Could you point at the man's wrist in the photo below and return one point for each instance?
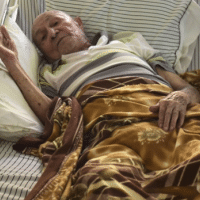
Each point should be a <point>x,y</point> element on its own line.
<point>191,95</point>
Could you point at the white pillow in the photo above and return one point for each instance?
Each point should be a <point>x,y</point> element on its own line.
<point>164,24</point>
<point>16,117</point>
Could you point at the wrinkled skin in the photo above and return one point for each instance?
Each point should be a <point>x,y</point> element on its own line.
<point>56,33</point>
<point>8,50</point>
<point>38,102</point>
<point>171,110</point>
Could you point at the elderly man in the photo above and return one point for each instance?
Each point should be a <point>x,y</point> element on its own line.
<point>57,34</point>
<point>126,145</point>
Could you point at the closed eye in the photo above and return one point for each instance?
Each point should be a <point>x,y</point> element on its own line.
<point>55,23</point>
<point>43,37</point>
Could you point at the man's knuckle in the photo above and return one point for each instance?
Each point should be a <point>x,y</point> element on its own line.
<point>168,112</point>
<point>176,112</point>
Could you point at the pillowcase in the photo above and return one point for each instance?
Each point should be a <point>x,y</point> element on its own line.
<point>28,10</point>
<point>164,24</point>
<point>16,117</point>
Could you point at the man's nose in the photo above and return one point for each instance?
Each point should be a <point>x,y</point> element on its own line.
<point>53,33</point>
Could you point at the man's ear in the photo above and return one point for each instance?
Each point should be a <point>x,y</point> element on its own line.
<point>79,21</point>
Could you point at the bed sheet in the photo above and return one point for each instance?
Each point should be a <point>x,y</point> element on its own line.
<point>18,172</point>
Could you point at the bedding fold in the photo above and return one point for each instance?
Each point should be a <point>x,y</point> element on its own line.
<point>105,144</point>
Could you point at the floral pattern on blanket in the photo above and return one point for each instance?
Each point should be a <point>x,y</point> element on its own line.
<point>124,154</point>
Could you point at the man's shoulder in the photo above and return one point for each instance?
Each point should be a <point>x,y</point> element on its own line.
<point>126,36</point>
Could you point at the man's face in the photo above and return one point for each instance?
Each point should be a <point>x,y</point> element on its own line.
<point>57,34</point>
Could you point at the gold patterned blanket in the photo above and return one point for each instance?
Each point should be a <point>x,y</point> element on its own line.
<point>120,152</point>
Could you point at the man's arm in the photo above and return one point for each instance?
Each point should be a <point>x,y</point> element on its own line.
<point>171,109</point>
<point>38,102</point>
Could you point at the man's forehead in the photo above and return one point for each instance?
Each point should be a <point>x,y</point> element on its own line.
<point>46,17</point>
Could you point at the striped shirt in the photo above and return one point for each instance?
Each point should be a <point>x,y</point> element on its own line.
<point>128,54</point>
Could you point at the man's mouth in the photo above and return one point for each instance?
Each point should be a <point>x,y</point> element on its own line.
<point>59,41</point>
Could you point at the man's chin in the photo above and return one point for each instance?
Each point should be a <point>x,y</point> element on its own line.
<point>66,48</point>
<point>71,50</point>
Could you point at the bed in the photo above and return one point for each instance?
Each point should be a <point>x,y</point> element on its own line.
<point>172,27</point>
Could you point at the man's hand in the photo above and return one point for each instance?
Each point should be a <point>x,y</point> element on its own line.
<point>171,110</point>
<point>38,102</point>
<point>8,50</point>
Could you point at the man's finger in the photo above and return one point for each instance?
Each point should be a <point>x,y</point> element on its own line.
<point>167,116</point>
<point>181,118</point>
<point>154,108</point>
<point>161,114</point>
<point>5,32</point>
<point>174,119</point>
<point>1,37</point>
